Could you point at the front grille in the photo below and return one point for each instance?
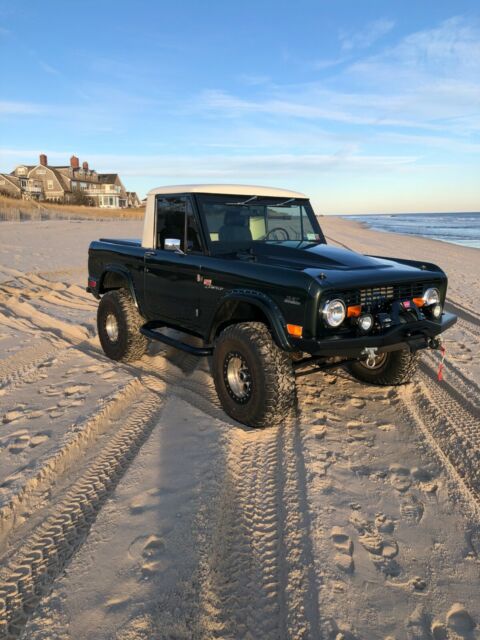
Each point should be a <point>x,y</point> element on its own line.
<point>376,296</point>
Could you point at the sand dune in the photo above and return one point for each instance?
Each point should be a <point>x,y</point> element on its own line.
<point>131,507</point>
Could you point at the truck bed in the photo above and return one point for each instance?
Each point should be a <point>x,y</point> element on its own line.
<point>130,242</point>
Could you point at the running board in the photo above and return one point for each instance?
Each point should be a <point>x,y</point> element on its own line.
<point>148,330</point>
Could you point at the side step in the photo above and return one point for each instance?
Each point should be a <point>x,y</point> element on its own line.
<point>148,330</point>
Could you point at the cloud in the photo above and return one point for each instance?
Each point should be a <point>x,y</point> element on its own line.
<point>48,68</point>
<point>364,38</point>
<point>19,108</point>
<point>220,166</point>
<point>429,80</point>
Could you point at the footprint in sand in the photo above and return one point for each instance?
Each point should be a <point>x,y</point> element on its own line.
<point>400,478</point>
<point>15,415</point>
<point>39,438</point>
<point>357,403</point>
<point>48,363</point>
<point>412,510</point>
<point>460,621</point>
<point>108,375</point>
<point>418,625</point>
<point>344,546</point>
<point>144,501</point>
<point>381,548</point>
<point>149,550</point>
<point>52,390</point>
<point>117,603</point>
<point>76,389</point>
<point>20,440</point>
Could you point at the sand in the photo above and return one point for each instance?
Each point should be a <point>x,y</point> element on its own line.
<point>131,507</point>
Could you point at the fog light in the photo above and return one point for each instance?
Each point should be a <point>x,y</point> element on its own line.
<point>437,311</point>
<point>365,322</point>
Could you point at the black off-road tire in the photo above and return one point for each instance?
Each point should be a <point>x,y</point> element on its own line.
<point>130,344</point>
<point>272,392</point>
<point>398,368</point>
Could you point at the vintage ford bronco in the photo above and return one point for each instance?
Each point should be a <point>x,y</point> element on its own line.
<point>248,271</point>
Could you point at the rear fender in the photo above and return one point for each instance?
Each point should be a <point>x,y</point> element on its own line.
<point>114,277</point>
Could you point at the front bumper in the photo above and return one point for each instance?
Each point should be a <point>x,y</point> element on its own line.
<point>412,336</point>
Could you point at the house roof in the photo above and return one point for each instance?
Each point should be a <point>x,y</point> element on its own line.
<point>108,178</point>
<point>228,189</point>
<point>13,179</point>
<point>27,166</point>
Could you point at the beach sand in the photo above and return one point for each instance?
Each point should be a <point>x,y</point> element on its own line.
<point>132,507</point>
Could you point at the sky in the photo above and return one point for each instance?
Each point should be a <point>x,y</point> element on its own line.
<point>367,107</point>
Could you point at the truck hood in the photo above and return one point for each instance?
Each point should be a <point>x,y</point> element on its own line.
<point>329,264</point>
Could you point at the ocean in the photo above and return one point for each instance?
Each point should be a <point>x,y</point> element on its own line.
<point>457,228</point>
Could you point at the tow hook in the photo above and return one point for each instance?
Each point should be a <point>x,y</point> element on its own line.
<point>371,353</point>
<point>436,343</point>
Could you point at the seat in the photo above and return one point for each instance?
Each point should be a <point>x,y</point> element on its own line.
<point>234,228</point>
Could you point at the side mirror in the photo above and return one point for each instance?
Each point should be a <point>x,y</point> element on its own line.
<point>172,244</point>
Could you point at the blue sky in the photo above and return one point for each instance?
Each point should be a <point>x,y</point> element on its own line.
<point>366,106</point>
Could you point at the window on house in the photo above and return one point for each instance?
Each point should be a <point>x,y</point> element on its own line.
<point>49,184</point>
<point>21,171</point>
<point>41,172</point>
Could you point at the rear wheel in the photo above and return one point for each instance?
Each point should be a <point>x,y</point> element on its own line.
<point>392,368</point>
<point>254,379</point>
<point>119,322</point>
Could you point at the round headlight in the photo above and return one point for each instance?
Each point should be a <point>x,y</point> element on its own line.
<point>333,313</point>
<point>431,296</point>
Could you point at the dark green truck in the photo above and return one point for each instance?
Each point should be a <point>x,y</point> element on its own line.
<point>248,271</point>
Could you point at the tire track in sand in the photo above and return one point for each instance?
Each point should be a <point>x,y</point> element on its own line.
<point>258,568</point>
<point>452,427</point>
<point>31,570</point>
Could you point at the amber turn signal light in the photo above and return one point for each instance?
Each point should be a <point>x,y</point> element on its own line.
<point>354,311</point>
<point>419,302</point>
<point>295,330</point>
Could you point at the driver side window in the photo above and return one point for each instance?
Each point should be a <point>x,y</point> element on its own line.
<point>175,219</point>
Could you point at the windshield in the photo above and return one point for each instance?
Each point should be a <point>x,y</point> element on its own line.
<point>233,223</point>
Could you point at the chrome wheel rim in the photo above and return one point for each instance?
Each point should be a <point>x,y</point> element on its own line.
<point>237,377</point>
<point>111,327</point>
<point>374,363</point>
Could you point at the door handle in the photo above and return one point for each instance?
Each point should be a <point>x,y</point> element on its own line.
<point>149,253</point>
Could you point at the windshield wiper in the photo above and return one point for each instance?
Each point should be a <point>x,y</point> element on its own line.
<point>241,204</point>
<point>282,204</point>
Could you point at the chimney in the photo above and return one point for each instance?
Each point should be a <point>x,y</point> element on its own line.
<point>74,162</point>
<point>43,159</point>
<point>85,166</point>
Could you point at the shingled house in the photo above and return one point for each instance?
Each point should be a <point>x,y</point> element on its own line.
<point>69,183</point>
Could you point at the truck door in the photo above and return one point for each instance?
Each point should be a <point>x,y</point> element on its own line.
<point>171,287</point>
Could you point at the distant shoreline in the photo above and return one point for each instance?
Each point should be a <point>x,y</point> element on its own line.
<point>461,229</point>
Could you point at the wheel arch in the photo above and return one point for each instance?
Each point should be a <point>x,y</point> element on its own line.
<point>245,306</point>
<point>114,277</point>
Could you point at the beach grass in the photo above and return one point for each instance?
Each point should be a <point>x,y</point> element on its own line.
<point>12,209</point>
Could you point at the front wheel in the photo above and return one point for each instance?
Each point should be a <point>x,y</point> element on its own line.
<point>254,378</point>
<point>392,368</point>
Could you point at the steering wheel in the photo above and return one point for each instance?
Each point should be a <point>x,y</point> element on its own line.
<point>284,231</point>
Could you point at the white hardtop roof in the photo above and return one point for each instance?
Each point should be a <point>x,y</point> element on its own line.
<point>228,189</point>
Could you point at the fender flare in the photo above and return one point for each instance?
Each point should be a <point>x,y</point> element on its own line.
<point>123,273</point>
<point>262,302</point>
